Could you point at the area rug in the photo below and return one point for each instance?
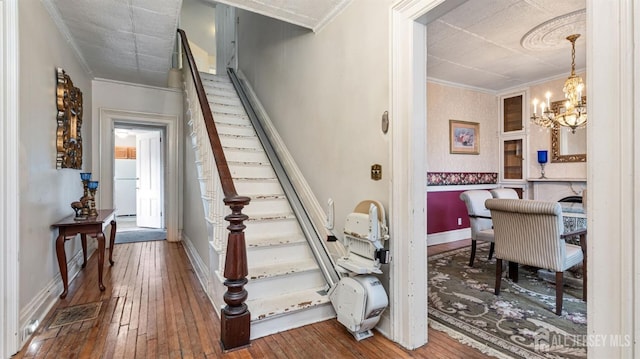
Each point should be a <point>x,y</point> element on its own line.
<point>76,313</point>
<point>519,323</point>
<point>141,236</point>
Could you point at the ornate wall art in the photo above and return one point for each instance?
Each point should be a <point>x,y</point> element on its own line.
<point>68,134</point>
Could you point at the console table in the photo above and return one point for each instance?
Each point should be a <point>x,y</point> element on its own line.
<point>69,227</point>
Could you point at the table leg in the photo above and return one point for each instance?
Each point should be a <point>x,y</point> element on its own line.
<point>100,238</point>
<point>62,264</point>
<point>112,239</point>
<point>83,239</point>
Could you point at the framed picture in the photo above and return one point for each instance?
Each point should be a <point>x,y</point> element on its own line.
<point>464,137</point>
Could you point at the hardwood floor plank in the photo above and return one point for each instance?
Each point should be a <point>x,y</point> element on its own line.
<point>154,307</point>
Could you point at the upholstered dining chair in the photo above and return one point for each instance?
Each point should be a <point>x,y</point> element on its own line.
<point>479,218</point>
<point>531,233</point>
<point>504,193</point>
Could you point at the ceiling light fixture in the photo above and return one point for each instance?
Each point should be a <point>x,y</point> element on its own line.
<point>571,112</point>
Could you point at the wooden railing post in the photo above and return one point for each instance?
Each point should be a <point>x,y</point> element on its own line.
<point>235,317</point>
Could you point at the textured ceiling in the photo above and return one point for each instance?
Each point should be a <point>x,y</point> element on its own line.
<point>478,44</point>
<point>124,40</point>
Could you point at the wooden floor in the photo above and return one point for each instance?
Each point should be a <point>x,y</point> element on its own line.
<point>154,307</point>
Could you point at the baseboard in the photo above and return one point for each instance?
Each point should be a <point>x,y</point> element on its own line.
<point>41,304</point>
<point>449,236</point>
<point>384,325</point>
<point>201,270</point>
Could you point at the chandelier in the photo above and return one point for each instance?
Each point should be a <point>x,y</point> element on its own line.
<point>571,112</point>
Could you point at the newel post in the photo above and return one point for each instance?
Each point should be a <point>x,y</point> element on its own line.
<point>235,323</point>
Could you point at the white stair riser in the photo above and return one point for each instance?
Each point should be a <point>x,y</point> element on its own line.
<point>293,320</point>
<point>275,286</point>
<point>245,156</point>
<point>258,206</point>
<point>250,170</point>
<point>230,101</point>
<point>231,119</point>
<point>215,81</point>
<point>236,110</point>
<point>262,256</point>
<point>248,142</point>
<point>234,130</point>
<point>262,229</point>
<point>254,187</point>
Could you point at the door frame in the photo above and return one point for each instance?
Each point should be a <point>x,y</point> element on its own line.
<point>9,179</point>
<point>612,173</point>
<point>173,161</point>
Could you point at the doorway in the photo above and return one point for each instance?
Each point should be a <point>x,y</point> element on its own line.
<point>166,147</point>
<point>138,189</point>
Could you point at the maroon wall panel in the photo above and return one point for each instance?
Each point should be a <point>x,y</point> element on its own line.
<point>443,211</point>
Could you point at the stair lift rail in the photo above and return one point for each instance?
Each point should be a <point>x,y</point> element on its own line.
<point>314,239</point>
<point>235,318</point>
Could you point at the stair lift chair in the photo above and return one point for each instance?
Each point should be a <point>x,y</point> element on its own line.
<point>359,297</point>
<point>479,218</point>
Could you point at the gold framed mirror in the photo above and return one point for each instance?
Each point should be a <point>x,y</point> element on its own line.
<point>69,119</point>
<point>567,146</point>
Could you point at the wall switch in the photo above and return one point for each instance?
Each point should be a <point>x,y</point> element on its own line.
<point>459,221</point>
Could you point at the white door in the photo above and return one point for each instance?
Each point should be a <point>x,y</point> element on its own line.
<point>149,202</point>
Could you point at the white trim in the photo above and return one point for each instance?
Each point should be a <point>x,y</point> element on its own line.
<point>173,160</point>
<point>461,86</point>
<point>612,176</point>
<point>199,267</point>
<point>328,17</point>
<point>48,296</point>
<point>9,178</point>
<point>408,78</point>
<point>448,236</point>
<point>132,84</point>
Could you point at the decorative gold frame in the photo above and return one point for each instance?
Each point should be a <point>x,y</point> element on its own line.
<point>460,128</point>
<point>69,118</point>
<point>555,149</point>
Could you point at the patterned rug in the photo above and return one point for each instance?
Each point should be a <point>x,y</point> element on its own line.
<point>76,313</point>
<point>519,323</point>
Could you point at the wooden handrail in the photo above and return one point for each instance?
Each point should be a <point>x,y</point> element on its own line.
<point>235,323</point>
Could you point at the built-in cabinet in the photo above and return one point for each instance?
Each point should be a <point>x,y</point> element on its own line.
<point>513,140</point>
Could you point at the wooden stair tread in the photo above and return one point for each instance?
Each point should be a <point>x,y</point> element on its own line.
<point>274,241</point>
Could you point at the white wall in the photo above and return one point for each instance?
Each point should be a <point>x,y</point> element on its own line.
<point>194,225</point>
<point>325,93</point>
<point>197,19</point>
<point>45,192</point>
<point>129,97</point>
<point>446,103</point>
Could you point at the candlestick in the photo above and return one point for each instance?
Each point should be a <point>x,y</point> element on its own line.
<point>542,160</point>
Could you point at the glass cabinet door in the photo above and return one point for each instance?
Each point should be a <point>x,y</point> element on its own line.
<point>513,159</point>
<point>512,113</point>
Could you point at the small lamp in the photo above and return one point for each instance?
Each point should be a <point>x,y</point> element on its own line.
<point>542,160</point>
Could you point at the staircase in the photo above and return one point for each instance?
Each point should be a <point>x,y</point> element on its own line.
<point>286,287</point>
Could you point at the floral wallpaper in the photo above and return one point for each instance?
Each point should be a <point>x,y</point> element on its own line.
<point>461,178</point>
